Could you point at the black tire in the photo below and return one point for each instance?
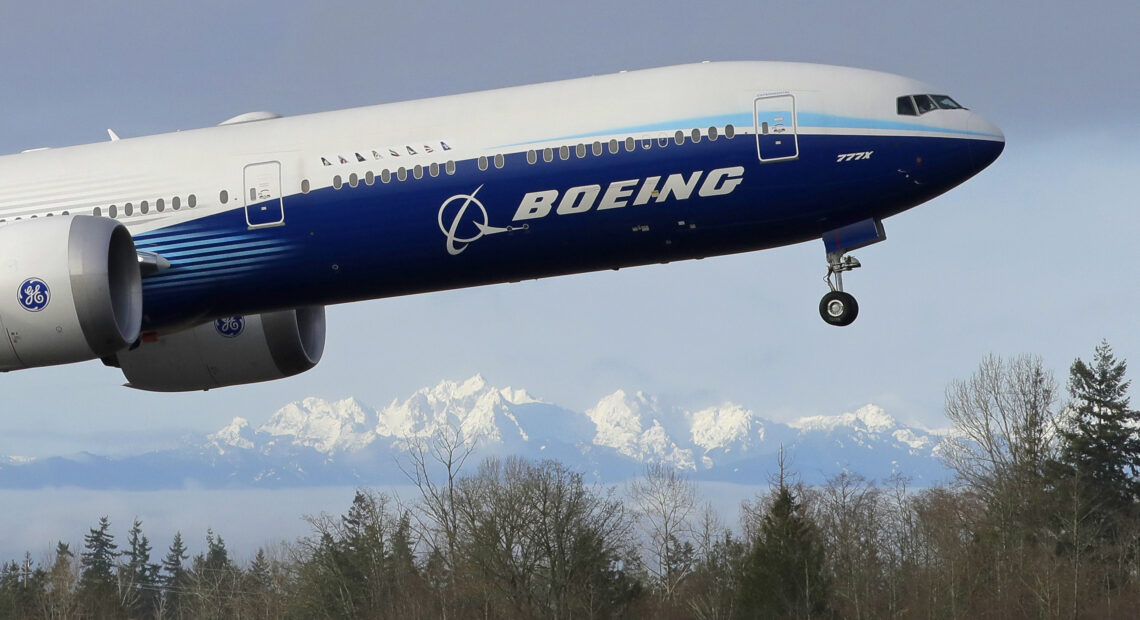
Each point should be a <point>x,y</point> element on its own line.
<point>838,308</point>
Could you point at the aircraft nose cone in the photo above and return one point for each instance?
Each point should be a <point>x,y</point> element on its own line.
<point>988,141</point>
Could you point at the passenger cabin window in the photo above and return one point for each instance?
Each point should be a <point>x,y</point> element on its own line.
<point>906,106</point>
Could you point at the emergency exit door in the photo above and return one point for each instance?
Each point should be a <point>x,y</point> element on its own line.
<point>776,129</point>
<point>263,204</point>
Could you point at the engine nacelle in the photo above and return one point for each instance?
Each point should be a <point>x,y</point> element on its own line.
<point>228,351</point>
<point>70,290</point>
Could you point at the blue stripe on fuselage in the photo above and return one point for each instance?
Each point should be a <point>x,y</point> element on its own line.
<point>744,121</point>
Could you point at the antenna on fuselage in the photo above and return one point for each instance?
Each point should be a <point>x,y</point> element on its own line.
<point>114,136</point>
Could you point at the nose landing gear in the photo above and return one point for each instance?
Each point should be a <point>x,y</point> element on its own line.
<point>838,307</point>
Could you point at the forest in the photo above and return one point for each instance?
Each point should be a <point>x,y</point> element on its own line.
<point>1041,520</point>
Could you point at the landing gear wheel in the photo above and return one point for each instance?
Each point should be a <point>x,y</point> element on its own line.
<point>838,308</point>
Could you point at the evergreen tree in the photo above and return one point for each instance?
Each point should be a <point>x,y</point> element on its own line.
<point>401,557</point>
<point>215,580</point>
<point>783,574</point>
<point>174,579</point>
<point>217,557</point>
<point>258,592</point>
<point>139,574</point>
<point>1101,448</point>
<point>20,586</point>
<point>259,575</point>
<point>97,585</point>
<point>98,561</point>
<point>172,564</point>
<point>59,599</point>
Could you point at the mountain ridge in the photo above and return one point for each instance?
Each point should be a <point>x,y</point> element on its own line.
<point>316,442</point>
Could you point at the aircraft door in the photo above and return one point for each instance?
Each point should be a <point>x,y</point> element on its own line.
<point>263,203</point>
<point>776,129</point>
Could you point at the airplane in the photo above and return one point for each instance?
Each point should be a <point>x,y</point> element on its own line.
<point>205,258</point>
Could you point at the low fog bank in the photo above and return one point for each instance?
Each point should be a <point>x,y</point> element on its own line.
<point>33,521</point>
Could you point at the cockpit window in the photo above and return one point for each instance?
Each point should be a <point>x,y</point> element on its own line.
<point>913,105</point>
<point>946,103</point>
<point>924,103</point>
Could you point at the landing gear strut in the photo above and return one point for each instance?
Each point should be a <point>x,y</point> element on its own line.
<point>838,307</point>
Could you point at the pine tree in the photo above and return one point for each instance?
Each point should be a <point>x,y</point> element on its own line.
<point>215,580</point>
<point>783,574</point>
<point>20,585</point>
<point>173,578</point>
<point>401,557</point>
<point>172,564</point>
<point>97,585</point>
<point>98,561</point>
<point>140,574</point>
<point>1101,448</point>
<point>258,576</point>
<point>59,602</point>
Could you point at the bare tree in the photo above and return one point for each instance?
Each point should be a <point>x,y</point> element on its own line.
<point>1005,422</point>
<point>710,592</point>
<point>665,502</point>
<point>849,512</point>
<point>540,543</point>
<point>444,454</point>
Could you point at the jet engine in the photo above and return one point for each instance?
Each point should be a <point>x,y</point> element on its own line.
<point>70,290</point>
<point>227,351</point>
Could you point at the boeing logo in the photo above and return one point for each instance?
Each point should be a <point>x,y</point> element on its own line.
<point>467,221</point>
<point>636,192</point>
<point>464,218</point>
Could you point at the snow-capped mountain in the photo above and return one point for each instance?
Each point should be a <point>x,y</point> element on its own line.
<point>317,442</point>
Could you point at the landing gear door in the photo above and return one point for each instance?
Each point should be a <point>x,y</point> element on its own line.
<point>263,204</point>
<point>776,129</point>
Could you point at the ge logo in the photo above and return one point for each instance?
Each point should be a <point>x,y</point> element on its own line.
<point>230,326</point>
<point>468,223</point>
<point>34,295</point>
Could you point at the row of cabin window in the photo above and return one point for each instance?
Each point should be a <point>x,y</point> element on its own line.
<point>614,146</point>
<point>144,206</point>
<point>386,175</point>
<point>32,217</point>
<point>128,208</point>
<point>531,157</point>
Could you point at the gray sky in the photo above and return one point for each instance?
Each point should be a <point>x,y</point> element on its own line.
<point>1029,257</point>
